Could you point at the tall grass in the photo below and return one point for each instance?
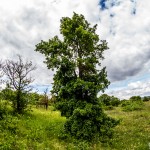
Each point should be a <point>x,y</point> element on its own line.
<point>134,129</point>
<point>38,130</point>
<point>42,130</point>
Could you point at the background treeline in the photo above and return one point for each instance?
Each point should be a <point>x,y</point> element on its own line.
<point>133,103</point>
<point>32,99</point>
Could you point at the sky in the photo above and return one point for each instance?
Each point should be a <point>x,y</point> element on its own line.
<point>124,24</point>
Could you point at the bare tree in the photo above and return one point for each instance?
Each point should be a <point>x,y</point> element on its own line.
<point>19,80</point>
<point>1,73</point>
<point>43,101</point>
<point>46,98</point>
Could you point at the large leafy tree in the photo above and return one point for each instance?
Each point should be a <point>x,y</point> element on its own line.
<point>78,77</point>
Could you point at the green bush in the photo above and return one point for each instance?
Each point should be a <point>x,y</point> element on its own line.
<point>132,105</point>
<point>8,94</point>
<point>125,103</point>
<point>135,98</point>
<point>146,98</point>
<point>3,109</point>
<point>115,101</point>
<point>10,134</point>
<point>105,99</point>
<point>90,123</point>
<point>110,101</point>
<point>9,124</point>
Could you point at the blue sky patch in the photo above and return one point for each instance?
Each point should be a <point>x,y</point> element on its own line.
<point>102,3</point>
<point>105,4</point>
<point>133,11</point>
<point>133,3</point>
<point>112,15</point>
<point>114,3</point>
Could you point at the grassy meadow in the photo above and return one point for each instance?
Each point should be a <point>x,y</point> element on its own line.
<point>42,130</point>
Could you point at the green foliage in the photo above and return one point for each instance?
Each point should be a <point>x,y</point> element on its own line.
<point>11,96</point>
<point>115,101</point>
<point>41,129</point>
<point>125,102</point>
<point>135,98</point>
<point>3,109</point>
<point>79,77</point>
<point>22,102</point>
<point>133,132</point>
<point>105,99</point>
<point>146,98</point>
<point>33,97</point>
<point>90,123</point>
<point>109,101</point>
<point>31,130</point>
<point>8,94</point>
<point>10,124</point>
<point>135,103</point>
<point>80,145</point>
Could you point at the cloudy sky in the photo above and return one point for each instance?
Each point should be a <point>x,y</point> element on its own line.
<point>125,24</point>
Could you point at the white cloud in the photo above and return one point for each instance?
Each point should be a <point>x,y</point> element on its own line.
<point>125,25</point>
<point>141,88</point>
<point>128,36</point>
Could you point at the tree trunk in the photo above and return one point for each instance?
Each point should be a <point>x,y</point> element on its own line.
<point>19,107</point>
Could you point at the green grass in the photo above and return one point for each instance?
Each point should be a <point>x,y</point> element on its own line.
<point>42,130</point>
<point>38,130</point>
<point>133,133</point>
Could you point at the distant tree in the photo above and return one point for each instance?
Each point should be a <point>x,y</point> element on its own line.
<point>125,102</point>
<point>17,73</point>
<point>133,104</point>
<point>115,101</point>
<point>46,98</point>
<point>109,100</point>
<point>105,99</point>
<point>78,78</point>
<point>34,97</point>
<point>52,99</point>
<point>146,98</point>
<point>1,72</point>
<point>43,100</point>
<point>135,98</point>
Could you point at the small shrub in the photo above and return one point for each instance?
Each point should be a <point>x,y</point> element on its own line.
<point>3,109</point>
<point>135,98</point>
<point>146,98</point>
<point>110,101</point>
<point>115,101</point>
<point>133,105</point>
<point>105,100</point>
<point>10,123</point>
<point>125,103</point>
